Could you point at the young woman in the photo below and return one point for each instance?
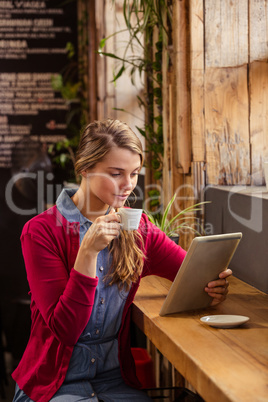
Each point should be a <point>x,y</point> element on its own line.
<point>83,273</point>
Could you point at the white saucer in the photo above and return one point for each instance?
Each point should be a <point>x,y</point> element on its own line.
<point>224,321</point>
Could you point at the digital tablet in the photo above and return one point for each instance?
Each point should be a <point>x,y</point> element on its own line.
<point>206,258</point>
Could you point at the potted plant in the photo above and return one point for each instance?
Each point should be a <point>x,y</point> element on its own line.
<point>179,222</point>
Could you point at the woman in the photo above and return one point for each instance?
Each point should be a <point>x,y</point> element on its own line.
<point>83,273</point>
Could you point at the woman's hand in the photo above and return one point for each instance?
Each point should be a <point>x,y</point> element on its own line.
<point>218,289</point>
<point>102,231</point>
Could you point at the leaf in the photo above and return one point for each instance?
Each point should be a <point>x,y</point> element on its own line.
<point>157,92</point>
<point>155,164</point>
<point>159,120</point>
<point>166,212</point>
<point>57,82</point>
<point>119,109</point>
<point>120,72</point>
<point>159,78</point>
<point>142,132</point>
<point>63,159</point>
<point>159,45</point>
<point>102,43</point>
<point>50,148</point>
<point>157,175</point>
<point>156,66</point>
<point>192,208</point>
<point>113,56</point>
<point>154,203</point>
<point>70,49</point>
<point>141,101</point>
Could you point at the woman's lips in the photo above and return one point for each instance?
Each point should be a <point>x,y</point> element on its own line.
<point>122,196</point>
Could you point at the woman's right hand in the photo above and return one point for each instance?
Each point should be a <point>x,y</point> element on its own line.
<point>102,231</point>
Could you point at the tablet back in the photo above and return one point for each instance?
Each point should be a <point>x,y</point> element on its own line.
<point>206,258</point>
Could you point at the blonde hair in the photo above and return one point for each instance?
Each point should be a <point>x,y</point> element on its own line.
<point>97,139</point>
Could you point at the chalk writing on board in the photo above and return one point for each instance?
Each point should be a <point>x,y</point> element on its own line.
<point>33,39</point>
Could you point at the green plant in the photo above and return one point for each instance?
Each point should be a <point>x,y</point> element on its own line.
<point>179,222</point>
<point>146,43</point>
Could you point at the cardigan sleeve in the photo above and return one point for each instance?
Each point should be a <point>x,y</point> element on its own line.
<point>163,256</point>
<point>65,300</point>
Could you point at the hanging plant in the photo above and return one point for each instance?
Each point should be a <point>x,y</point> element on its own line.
<point>141,18</point>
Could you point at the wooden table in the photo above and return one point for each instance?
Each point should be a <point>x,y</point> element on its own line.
<point>221,364</point>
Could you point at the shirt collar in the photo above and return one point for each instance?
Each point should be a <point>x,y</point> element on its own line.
<point>68,209</point>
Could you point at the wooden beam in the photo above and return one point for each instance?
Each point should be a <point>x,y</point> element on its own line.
<point>100,60</point>
<point>258,86</point>
<point>197,79</point>
<point>92,70</point>
<point>181,71</point>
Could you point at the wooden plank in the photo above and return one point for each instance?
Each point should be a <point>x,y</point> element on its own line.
<point>197,79</point>
<point>242,350</point>
<point>258,74</point>
<point>258,14</point>
<point>110,47</point>
<point>167,120</point>
<point>227,126</point>
<point>101,83</point>
<point>92,64</point>
<point>226,92</point>
<point>258,84</point>
<point>197,75</point>
<point>186,198</point>
<point>181,71</point>
<point>226,33</point>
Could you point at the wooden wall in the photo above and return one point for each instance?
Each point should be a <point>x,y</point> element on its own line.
<point>219,101</point>
<point>221,79</point>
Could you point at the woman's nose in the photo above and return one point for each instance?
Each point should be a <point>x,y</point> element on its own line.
<point>127,183</point>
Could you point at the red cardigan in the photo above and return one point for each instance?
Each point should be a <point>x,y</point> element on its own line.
<point>62,299</point>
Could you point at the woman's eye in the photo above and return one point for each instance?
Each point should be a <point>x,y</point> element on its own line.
<point>115,174</point>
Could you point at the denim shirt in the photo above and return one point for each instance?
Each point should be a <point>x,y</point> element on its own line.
<point>96,351</point>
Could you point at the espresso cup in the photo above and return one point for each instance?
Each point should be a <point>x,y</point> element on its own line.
<point>130,218</point>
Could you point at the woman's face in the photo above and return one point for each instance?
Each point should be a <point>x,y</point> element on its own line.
<point>112,180</point>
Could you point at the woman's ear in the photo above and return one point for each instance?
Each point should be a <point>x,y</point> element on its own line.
<point>84,174</point>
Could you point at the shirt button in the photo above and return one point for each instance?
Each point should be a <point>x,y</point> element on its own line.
<point>92,360</point>
<point>93,394</point>
<point>102,300</point>
<point>101,269</point>
<point>97,331</point>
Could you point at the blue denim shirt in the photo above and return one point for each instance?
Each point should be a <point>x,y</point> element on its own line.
<point>96,351</point>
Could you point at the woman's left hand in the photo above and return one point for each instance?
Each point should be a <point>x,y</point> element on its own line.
<point>218,289</point>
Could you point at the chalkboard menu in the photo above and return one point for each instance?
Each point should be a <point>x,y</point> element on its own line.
<point>33,39</point>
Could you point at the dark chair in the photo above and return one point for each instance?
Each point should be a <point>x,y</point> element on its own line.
<point>166,394</point>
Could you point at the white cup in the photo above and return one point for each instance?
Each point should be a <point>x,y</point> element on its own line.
<point>265,165</point>
<point>130,218</point>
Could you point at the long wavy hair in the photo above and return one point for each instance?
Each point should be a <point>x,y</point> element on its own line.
<point>97,139</point>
